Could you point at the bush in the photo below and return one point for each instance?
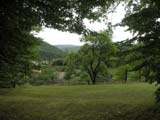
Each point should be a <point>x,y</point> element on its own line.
<point>45,77</point>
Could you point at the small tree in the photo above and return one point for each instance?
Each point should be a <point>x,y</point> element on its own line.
<point>71,62</point>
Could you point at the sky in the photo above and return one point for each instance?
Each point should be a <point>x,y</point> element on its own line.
<point>56,37</point>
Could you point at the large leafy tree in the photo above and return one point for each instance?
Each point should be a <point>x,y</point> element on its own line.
<point>143,19</point>
<point>96,53</point>
<point>18,18</point>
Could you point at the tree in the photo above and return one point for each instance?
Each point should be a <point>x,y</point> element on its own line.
<point>72,64</point>
<point>123,61</point>
<point>96,53</point>
<point>143,19</point>
<point>18,18</point>
<point>16,59</point>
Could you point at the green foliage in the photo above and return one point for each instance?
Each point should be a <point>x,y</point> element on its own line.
<point>143,20</point>
<point>132,76</point>
<point>147,36</point>
<point>104,75</point>
<point>120,73</point>
<point>92,60</point>
<point>58,62</point>
<point>45,77</point>
<point>96,53</point>
<point>72,63</point>
<point>84,78</point>
<point>19,18</point>
<point>16,58</point>
<point>136,76</point>
<point>158,95</point>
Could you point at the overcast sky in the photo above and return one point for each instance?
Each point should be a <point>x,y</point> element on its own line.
<point>56,37</point>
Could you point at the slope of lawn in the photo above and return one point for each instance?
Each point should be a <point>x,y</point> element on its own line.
<point>99,102</point>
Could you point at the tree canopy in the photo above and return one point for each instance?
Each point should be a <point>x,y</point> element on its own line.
<point>143,19</point>
<point>94,56</point>
<point>96,52</point>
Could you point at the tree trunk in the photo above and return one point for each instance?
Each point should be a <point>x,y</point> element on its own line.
<point>91,77</point>
<point>93,71</point>
<point>13,84</point>
<point>126,76</point>
<point>140,77</point>
<point>94,80</point>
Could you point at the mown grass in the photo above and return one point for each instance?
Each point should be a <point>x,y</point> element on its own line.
<point>99,102</point>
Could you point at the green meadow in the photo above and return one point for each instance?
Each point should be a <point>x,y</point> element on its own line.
<point>94,102</point>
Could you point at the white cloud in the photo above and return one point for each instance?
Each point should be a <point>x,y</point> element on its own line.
<point>95,26</point>
<point>55,37</point>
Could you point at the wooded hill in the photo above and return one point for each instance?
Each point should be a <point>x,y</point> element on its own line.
<point>49,52</point>
<point>69,48</point>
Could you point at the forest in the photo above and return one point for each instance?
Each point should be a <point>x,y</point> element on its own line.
<point>99,80</point>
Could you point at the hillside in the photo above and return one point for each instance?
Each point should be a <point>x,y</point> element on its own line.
<point>73,48</point>
<point>49,52</point>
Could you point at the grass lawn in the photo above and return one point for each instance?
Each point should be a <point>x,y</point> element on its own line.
<point>99,102</point>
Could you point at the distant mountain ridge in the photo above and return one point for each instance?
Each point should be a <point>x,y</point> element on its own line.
<point>69,47</point>
<point>49,52</point>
